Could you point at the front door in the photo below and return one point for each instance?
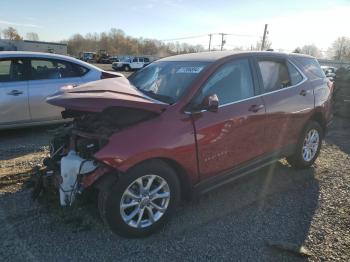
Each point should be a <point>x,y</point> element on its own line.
<point>13,92</point>
<point>235,133</point>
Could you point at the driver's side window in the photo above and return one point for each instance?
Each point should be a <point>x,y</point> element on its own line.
<point>231,82</point>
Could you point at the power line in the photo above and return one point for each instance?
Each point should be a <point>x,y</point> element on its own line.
<point>210,35</point>
<point>222,40</point>
<point>183,38</point>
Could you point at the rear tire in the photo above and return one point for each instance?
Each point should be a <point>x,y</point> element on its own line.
<point>147,209</point>
<point>308,147</point>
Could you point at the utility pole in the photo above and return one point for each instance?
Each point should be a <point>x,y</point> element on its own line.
<point>264,38</point>
<point>210,35</point>
<point>222,40</point>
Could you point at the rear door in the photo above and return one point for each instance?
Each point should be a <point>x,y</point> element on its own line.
<point>47,76</point>
<point>14,106</point>
<point>288,102</point>
<point>235,133</point>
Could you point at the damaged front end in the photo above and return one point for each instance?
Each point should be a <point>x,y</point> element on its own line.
<point>72,167</point>
<point>98,110</point>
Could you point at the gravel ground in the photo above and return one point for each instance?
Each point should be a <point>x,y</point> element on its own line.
<point>275,214</point>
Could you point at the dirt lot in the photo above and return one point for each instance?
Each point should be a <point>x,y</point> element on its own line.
<point>267,216</point>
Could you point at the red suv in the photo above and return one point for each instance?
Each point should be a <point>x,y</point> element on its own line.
<point>184,125</point>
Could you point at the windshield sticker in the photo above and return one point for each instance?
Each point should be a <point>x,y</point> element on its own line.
<point>189,70</point>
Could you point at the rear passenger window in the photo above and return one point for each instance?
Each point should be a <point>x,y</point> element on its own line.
<point>231,82</point>
<point>54,69</point>
<point>295,75</point>
<point>11,70</point>
<point>274,74</point>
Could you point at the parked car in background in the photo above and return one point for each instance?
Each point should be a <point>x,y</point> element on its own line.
<point>184,125</point>
<point>115,59</point>
<point>135,63</point>
<point>329,72</point>
<point>27,78</point>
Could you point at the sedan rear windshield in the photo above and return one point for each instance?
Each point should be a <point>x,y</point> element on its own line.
<point>167,81</point>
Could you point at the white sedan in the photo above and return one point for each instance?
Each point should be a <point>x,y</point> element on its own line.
<point>27,78</point>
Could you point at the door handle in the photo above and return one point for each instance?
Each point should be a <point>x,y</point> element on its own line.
<point>15,93</point>
<point>256,108</point>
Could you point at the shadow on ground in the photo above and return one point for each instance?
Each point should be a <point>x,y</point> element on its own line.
<point>18,142</point>
<point>339,133</point>
<point>236,222</point>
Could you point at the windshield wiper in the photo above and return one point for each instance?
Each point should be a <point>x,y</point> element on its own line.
<point>163,98</point>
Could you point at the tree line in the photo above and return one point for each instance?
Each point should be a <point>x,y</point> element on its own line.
<point>116,42</point>
<point>11,33</point>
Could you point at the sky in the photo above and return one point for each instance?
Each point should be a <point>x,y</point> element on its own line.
<point>291,23</point>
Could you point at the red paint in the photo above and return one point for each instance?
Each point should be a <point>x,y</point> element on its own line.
<point>203,144</point>
<point>99,95</point>
<point>89,179</point>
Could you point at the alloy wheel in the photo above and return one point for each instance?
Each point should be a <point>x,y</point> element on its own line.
<point>145,201</point>
<point>310,145</point>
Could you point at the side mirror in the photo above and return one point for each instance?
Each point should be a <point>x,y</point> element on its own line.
<point>210,103</point>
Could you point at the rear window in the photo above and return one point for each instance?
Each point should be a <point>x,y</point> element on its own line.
<point>55,69</point>
<point>311,67</point>
<point>274,75</point>
<point>294,74</point>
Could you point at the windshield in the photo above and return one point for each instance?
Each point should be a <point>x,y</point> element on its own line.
<point>167,81</point>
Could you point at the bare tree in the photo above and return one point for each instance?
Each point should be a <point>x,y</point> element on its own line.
<point>11,34</point>
<point>340,49</point>
<point>267,45</point>
<point>32,36</point>
<point>297,50</point>
<point>312,50</point>
<point>118,43</point>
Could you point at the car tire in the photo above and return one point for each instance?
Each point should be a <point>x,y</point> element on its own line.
<point>308,147</point>
<point>126,68</point>
<point>126,192</point>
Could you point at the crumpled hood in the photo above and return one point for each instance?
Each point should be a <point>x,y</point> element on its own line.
<point>99,95</point>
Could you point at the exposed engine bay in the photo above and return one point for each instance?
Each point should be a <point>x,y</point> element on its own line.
<point>71,167</point>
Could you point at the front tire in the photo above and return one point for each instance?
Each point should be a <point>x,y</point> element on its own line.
<point>141,201</point>
<point>308,147</point>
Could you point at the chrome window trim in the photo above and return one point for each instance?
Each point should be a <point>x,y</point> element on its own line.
<point>261,95</point>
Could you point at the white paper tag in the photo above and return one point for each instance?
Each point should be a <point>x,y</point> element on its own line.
<point>189,70</point>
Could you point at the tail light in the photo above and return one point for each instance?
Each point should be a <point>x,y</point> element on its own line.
<point>105,75</point>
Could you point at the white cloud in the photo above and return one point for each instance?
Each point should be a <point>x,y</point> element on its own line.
<point>310,27</point>
<point>9,23</point>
